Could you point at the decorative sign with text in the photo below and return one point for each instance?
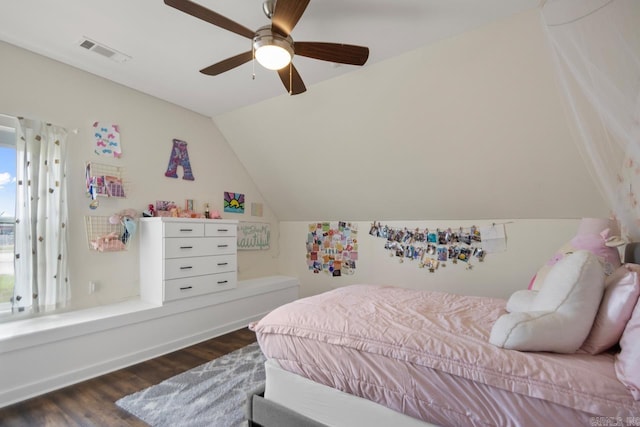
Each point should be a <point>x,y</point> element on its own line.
<point>253,236</point>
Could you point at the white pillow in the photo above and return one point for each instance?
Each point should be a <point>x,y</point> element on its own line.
<point>521,300</point>
<point>560,316</point>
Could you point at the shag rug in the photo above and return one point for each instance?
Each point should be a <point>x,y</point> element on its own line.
<point>212,394</point>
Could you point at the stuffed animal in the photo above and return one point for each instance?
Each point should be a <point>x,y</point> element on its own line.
<point>596,235</point>
<point>126,218</point>
<point>108,243</point>
<point>149,212</point>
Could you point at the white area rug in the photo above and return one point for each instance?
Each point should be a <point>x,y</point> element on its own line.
<point>212,394</point>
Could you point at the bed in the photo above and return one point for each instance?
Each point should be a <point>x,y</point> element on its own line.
<point>383,355</point>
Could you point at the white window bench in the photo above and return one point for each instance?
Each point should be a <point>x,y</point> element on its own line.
<point>41,354</point>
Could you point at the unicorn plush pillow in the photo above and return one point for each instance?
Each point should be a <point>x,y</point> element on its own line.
<point>560,315</point>
<point>598,236</point>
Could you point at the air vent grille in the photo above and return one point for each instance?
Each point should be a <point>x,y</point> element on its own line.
<point>103,50</point>
<point>87,44</point>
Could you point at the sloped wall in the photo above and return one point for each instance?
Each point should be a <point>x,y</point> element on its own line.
<point>471,127</point>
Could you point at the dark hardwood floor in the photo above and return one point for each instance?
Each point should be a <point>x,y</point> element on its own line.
<point>92,403</point>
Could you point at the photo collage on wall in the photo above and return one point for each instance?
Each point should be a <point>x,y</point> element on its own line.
<point>332,248</point>
<point>432,248</point>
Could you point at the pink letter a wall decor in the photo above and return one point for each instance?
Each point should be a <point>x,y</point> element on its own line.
<point>179,157</point>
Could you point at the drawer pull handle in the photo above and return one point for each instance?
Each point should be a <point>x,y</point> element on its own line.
<point>186,229</point>
<point>223,246</point>
<point>223,229</point>
<point>222,282</point>
<point>188,267</point>
<point>186,247</point>
<point>186,288</point>
<point>223,263</point>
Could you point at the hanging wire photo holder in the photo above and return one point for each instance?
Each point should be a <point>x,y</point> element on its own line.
<point>432,248</point>
<point>105,180</point>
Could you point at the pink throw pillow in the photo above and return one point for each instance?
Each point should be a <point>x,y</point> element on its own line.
<point>622,289</point>
<point>626,364</point>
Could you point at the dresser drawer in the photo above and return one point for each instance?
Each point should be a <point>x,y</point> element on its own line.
<point>213,229</point>
<point>183,229</point>
<point>199,285</point>
<point>175,268</point>
<point>180,247</point>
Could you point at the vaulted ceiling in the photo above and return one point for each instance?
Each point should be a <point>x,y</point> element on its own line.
<point>167,47</point>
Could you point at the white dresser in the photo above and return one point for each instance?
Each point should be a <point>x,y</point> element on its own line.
<point>183,257</point>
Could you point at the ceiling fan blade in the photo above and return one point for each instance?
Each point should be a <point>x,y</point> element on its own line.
<point>291,80</point>
<point>201,12</point>
<point>333,52</point>
<point>286,15</point>
<point>228,64</point>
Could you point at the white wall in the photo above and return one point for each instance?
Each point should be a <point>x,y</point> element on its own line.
<point>36,87</point>
<point>530,244</point>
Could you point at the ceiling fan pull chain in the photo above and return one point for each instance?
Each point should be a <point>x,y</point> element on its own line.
<point>253,61</point>
<point>290,79</point>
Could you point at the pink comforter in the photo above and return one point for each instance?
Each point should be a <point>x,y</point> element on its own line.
<point>438,331</point>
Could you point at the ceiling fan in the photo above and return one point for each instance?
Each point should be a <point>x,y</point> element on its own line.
<point>272,45</point>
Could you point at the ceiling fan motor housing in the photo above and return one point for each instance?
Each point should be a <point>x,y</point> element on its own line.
<point>266,37</point>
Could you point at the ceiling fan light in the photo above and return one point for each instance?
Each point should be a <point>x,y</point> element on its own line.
<point>272,50</point>
<point>273,57</point>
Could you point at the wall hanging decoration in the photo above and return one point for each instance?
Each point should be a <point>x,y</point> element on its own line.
<point>233,202</point>
<point>179,157</point>
<point>256,209</point>
<point>103,180</point>
<point>107,138</point>
<point>433,248</point>
<point>332,248</point>
<point>253,235</point>
<point>111,233</point>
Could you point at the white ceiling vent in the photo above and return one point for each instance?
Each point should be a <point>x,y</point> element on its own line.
<point>103,50</point>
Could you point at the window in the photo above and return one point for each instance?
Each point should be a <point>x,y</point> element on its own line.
<point>7,211</point>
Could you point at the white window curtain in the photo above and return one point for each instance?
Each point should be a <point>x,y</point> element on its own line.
<point>597,50</point>
<point>41,265</point>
